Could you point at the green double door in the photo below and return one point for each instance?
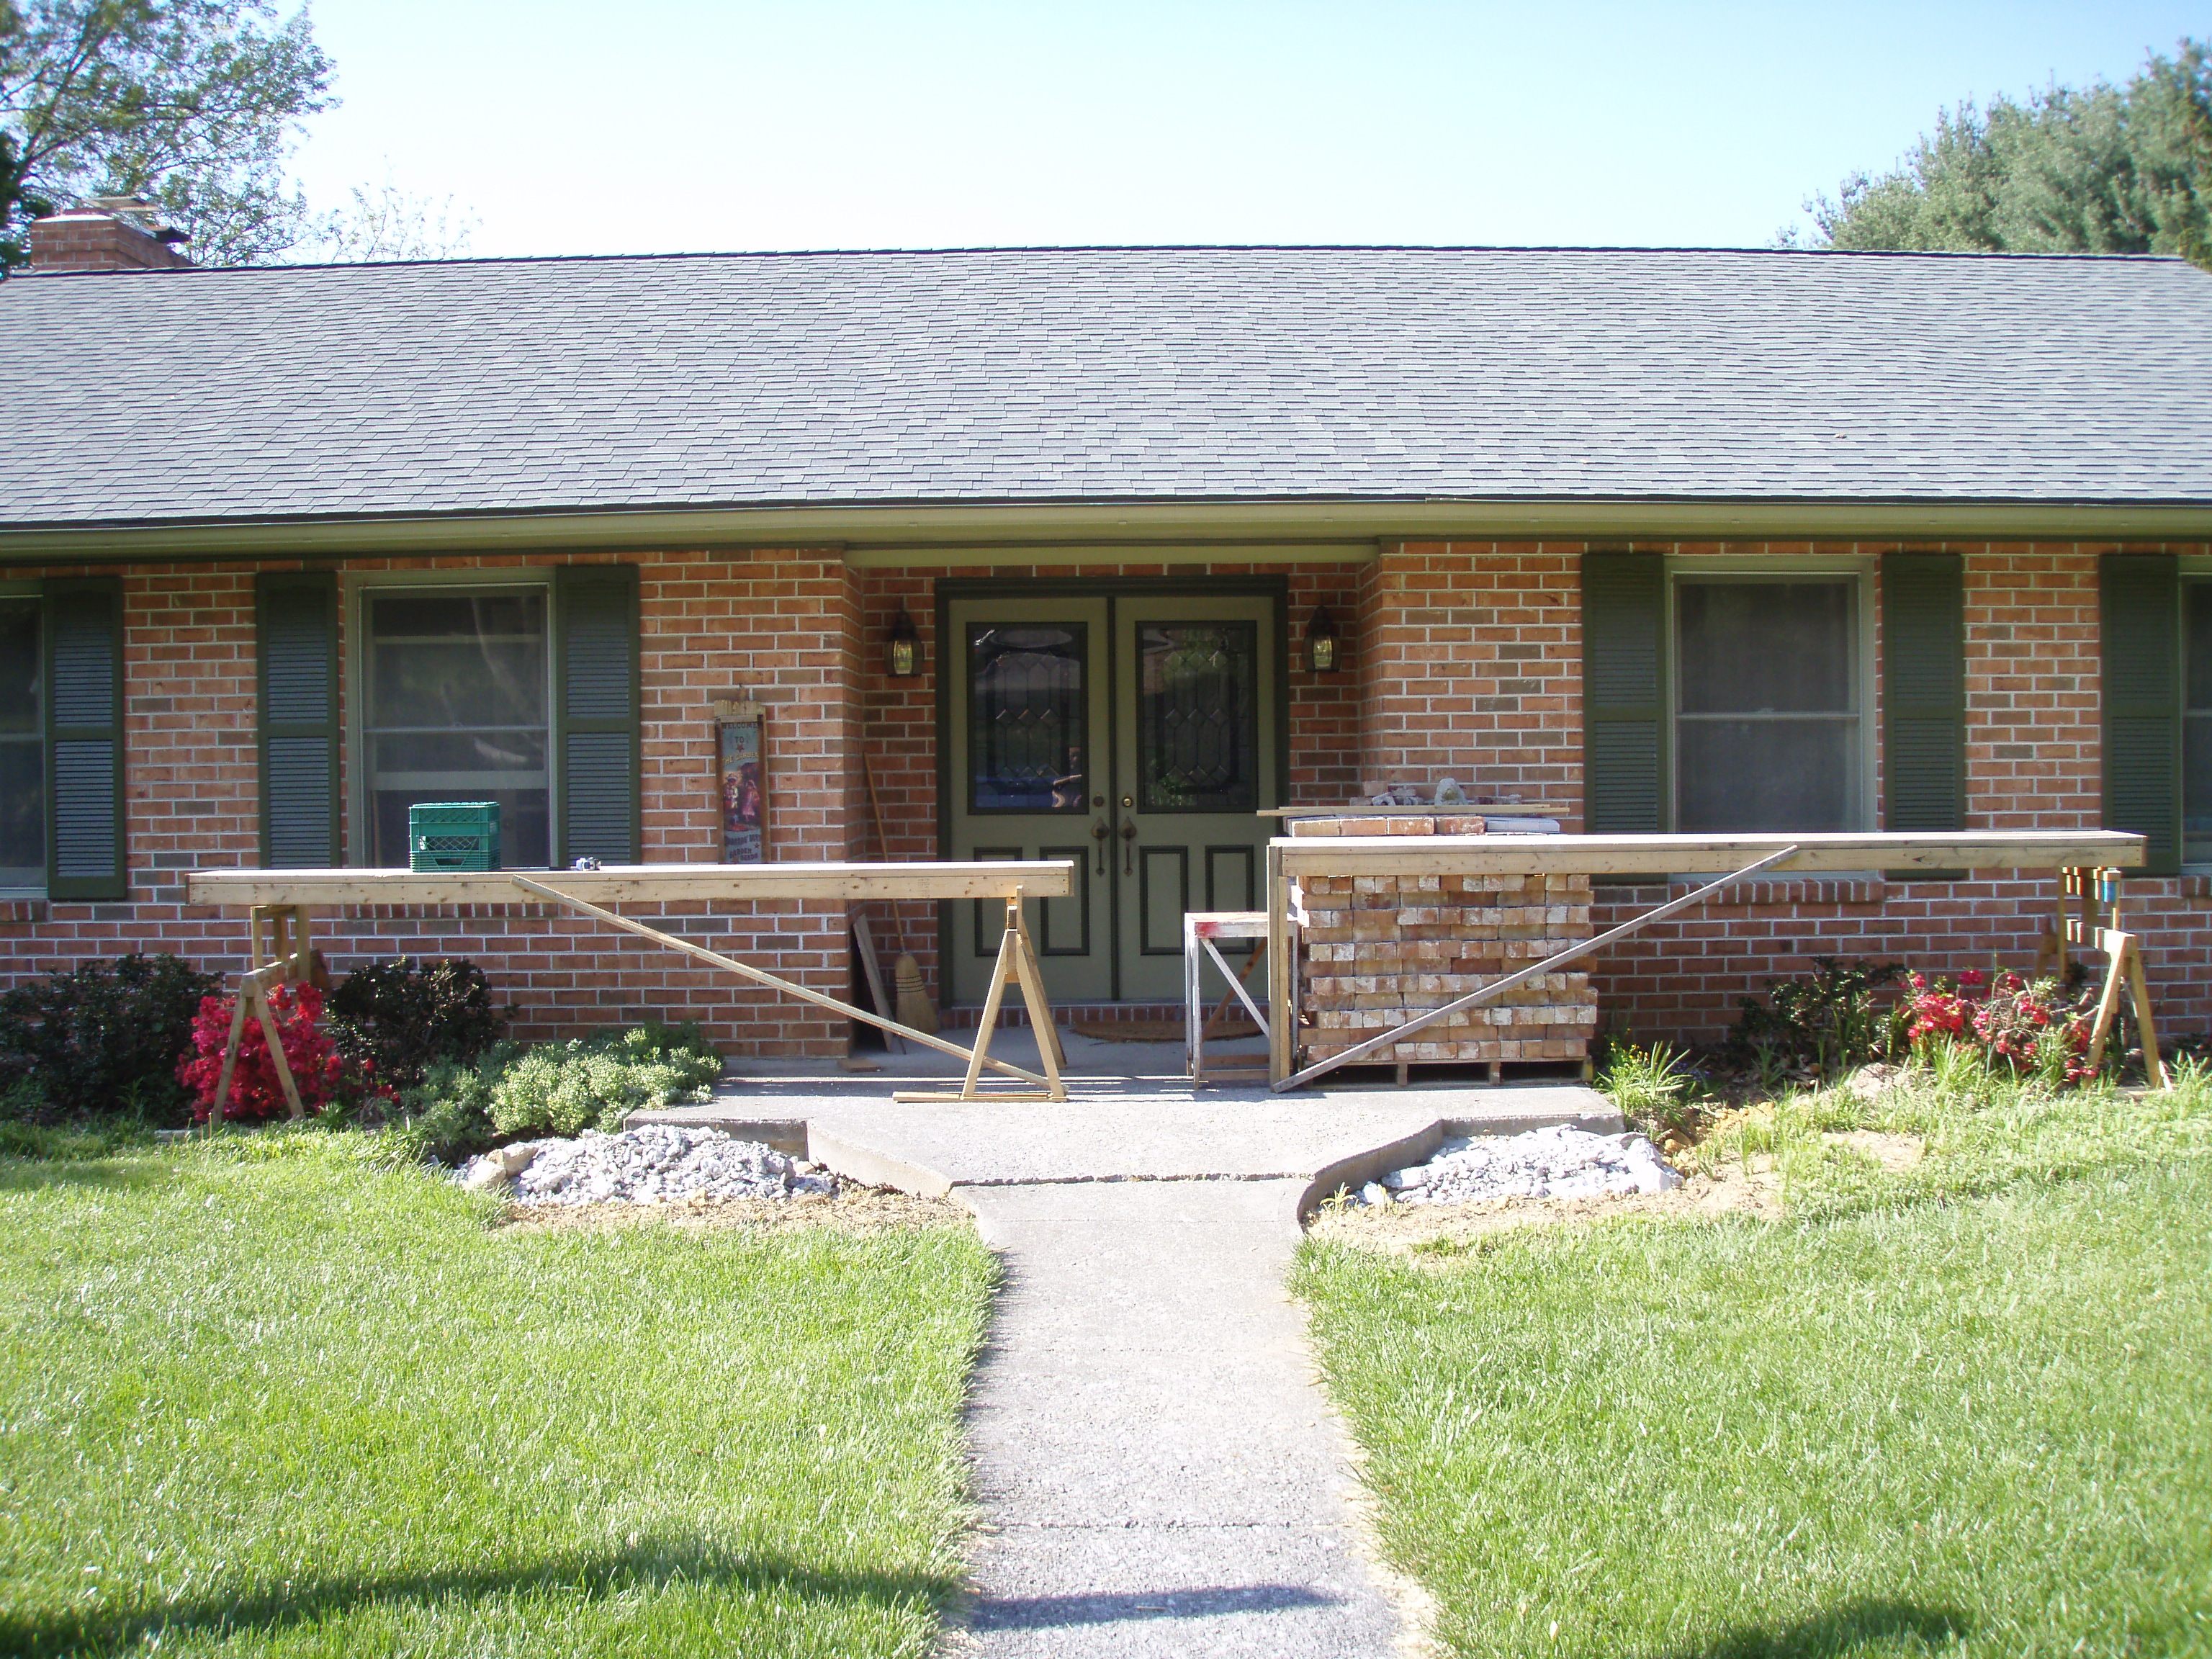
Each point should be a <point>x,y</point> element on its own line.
<point>1136,734</point>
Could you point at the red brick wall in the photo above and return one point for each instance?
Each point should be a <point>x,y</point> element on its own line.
<point>1459,658</point>
<point>780,627</point>
<point>2033,762</point>
<point>1471,668</point>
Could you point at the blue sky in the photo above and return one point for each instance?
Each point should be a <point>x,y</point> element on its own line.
<point>657,125</point>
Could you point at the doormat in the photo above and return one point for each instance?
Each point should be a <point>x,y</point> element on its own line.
<point>1156,1031</point>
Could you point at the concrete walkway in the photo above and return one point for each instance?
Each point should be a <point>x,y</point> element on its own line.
<point>1158,1470</point>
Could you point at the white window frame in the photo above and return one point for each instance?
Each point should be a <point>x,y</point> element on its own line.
<point>356,587</point>
<point>1862,569</point>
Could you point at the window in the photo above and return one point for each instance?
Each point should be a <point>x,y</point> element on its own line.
<point>2196,724</point>
<point>1197,731</point>
<point>1769,724</point>
<point>23,748</point>
<point>1025,725</point>
<point>456,698</point>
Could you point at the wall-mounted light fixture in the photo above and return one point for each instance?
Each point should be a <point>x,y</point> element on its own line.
<point>903,649</point>
<point>1320,642</point>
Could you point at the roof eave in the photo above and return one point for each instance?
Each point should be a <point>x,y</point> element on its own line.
<point>1191,531</point>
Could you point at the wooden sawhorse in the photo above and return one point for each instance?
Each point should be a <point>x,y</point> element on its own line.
<point>2086,917</point>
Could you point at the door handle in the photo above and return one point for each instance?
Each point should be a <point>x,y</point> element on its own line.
<point>1099,833</point>
<point>1128,846</point>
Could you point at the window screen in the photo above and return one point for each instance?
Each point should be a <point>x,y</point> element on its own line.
<point>456,711</point>
<point>1767,727</point>
<point>22,749</point>
<point>2197,725</point>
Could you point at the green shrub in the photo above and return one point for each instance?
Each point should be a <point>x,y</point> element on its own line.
<point>1825,1022</point>
<point>595,1082</point>
<point>1652,1087</point>
<point>403,1017</point>
<point>517,1090</point>
<point>101,1041</point>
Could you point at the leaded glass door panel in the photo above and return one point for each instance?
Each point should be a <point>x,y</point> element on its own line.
<point>1195,757</point>
<point>1028,742</point>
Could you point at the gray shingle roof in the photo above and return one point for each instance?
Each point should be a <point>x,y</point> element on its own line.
<point>1189,374</point>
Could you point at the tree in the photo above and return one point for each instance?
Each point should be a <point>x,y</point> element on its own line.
<point>392,224</point>
<point>2104,170</point>
<point>192,104</point>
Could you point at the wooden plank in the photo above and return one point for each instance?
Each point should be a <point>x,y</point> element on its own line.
<point>639,884</point>
<point>1283,1029</point>
<point>1662,855</point>
<point>759,975</point>
<point>1495,809</point>
<point>872,970</point>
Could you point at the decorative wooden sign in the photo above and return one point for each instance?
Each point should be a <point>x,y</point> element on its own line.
<point>741,773</point>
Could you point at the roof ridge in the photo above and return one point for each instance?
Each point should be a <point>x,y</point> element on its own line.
<point>982,250</point>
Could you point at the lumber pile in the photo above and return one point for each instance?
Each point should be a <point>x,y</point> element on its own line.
<point>1380,949</point>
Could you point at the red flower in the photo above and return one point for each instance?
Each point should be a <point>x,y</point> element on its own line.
<point>1971,978</point>
<point>255,1092</point>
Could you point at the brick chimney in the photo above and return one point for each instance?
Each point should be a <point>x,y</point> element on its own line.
<point>107,234</point>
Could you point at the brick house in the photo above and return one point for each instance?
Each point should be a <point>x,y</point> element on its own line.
<point>1695,540</point>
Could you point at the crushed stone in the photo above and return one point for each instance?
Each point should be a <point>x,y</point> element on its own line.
<point>652,1164</point>
<point>1557,1163</point>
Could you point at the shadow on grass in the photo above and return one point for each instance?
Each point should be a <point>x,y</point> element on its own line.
<point>649,1567</point>
<point>1852,1627</point>
<point>106,1172</point>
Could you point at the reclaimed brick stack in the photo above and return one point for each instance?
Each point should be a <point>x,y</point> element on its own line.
<point>1381,949</point>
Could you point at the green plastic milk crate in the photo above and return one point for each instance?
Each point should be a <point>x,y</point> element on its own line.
<point>453,835</point>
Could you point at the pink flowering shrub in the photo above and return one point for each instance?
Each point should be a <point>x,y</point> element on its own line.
<point>2016,1025</point>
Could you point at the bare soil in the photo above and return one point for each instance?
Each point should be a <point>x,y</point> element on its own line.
<point>1406,1229</point>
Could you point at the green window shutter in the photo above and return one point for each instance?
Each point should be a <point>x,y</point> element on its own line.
<point>2139,604</point>
<point>296,624</point>
<point>1623,702</point>
<point>1924,643</point>
<point>84,740</point>
<point>595,726</point>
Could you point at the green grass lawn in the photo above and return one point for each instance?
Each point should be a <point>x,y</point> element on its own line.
<point>271,1399</point>
<point>1964,1406</point>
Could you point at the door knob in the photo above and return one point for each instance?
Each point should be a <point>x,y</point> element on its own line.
<point>1099,832</point>
<point>1128,846</point>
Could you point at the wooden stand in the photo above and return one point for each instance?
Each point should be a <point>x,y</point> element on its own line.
<point>1671,857</point>
<point>278,901</point>
<point>1017,965</point>
<point>285,960</point>
<point>2092,897</point>
<point>1199,929</point>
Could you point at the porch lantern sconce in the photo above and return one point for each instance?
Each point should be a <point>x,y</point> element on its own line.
<point>1320,642</point>
<point>903,649</point>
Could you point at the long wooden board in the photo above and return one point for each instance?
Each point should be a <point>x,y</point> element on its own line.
<point>639,884</point>
<point>1663,855</point>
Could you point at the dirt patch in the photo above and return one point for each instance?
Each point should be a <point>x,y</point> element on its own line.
<point>1405,1228</point>
<point>858,1210</point>
<point>1892,1153</point>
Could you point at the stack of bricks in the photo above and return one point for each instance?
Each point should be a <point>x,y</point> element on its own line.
<point>1380,950</point>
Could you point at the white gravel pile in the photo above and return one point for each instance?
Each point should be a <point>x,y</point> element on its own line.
<point>651,1164</point>
<point>1554,1163</point>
